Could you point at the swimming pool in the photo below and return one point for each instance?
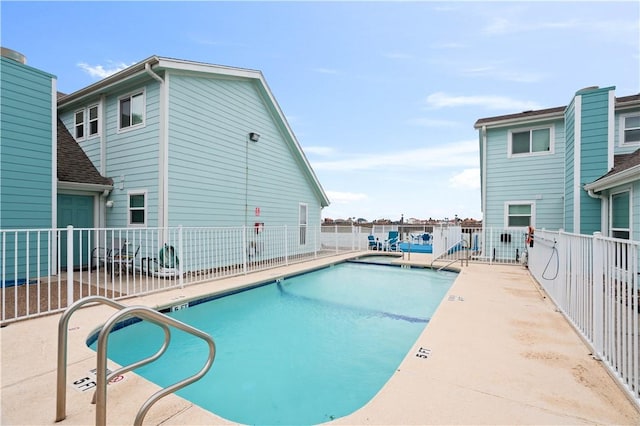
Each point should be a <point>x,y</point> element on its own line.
<point>303,350</point>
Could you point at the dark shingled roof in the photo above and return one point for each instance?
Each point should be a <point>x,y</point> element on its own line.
<point>521,114</point>
<point>73,163</point>
<point>556,110</point>
<point>622,162</point>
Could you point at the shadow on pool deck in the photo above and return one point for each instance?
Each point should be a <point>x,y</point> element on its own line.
<point>497,352</point>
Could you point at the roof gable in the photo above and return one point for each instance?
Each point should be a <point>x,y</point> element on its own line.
<point>151,65</point>
<point>73,164</point>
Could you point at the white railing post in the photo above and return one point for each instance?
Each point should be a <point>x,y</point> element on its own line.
<point>181,253</point>
<point>244,249</point>
<point>69,265</point>
<point>318,239</point>
<point>598,293</point>
<point>286,246</point>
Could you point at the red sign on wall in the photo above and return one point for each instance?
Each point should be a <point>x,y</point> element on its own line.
<point>257,211</point>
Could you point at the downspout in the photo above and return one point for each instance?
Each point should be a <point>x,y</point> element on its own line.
<point>54,156</point>
<point>163,153</point>
<point>604,211</point>
<point>483,184</point>
<point>102,210</point>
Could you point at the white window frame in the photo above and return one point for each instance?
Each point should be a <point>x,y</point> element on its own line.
<point>629,191</point>
<point>532,220</point>
<point>79,125</point>
<point>89,121</point>
<point>85,124</point>
<point>530,153</point>
<point>621,141</point>
<point>303,223</point>
<point>130,96</point>
<point>142,192</point>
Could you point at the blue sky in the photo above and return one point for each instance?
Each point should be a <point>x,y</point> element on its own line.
<point>382,96</point>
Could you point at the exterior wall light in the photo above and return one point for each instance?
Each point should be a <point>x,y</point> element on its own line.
<point>254,137</point>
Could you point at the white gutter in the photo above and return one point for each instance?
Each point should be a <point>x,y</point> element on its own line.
<point>620,178</point>
<point>78,186</point>
<point>528,119</point>
<point>577,164</point>
<point>103,135</point>
<point>106,83</point>
<point>483,185</point>
<point>163,152</point>
<point>54,155</point>
<point>611,130</point>
<point>483,178</point>
<point>604,211</point>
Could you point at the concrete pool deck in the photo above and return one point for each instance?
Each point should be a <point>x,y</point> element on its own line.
<point>495,352</point>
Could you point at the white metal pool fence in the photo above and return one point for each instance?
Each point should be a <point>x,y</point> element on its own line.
<point>592,279</point>
<point>594,282</point>
<point>45,270</point>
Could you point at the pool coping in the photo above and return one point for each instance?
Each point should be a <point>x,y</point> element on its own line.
<point>499,304</point>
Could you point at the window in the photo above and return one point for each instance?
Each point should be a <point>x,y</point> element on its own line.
<point>519,215</point>
<point>303,224</point>
<point>137,208</point>
<point>620,214</point>
<point>131,110</point>
<point>93,121</point>
<point>531,141</point>
<point>630,129</point>
<point>79,125</point>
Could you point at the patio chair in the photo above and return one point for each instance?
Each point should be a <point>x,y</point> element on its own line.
<point>166,265</point>
<point>391,243</point>
<point>373,243</point>
<point>115,259</point>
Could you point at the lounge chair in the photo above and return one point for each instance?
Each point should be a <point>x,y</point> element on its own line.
<point>373,243</point>
<point>166,265</point>
<point>391,243</point>
<point>115,259</point>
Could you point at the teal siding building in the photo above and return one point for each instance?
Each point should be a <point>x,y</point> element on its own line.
<point>569,167</point>
<point>194,145</point>
<point>27,146</point>
<point>163,143</point>
<point>27,164</point>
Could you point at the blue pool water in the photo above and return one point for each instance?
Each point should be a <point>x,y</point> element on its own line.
<point>305,350</point>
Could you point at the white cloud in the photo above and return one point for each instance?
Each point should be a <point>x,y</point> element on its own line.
<point>100,71</point>
<point>431,122</point>
<point>443,100</point>
<point>337,197</point>
<point>326,71</point>
<point>319,150</point>
<point>461,154</point>
<point>517,20</point>
<point>467,179</point>
<point>447,45</point>
<point>398,55</point>
<point>504,74</point>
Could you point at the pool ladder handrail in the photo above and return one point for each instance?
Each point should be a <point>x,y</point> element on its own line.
<point>462,244</point>
<point>100,396</point>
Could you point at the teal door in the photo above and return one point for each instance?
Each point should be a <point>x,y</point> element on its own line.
<point>76,210</point>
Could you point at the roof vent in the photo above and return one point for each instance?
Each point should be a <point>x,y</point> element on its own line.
<point>12,54</point>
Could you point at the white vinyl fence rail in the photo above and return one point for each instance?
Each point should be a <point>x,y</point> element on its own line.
<point>594,282</point>
<point>45,270</point>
